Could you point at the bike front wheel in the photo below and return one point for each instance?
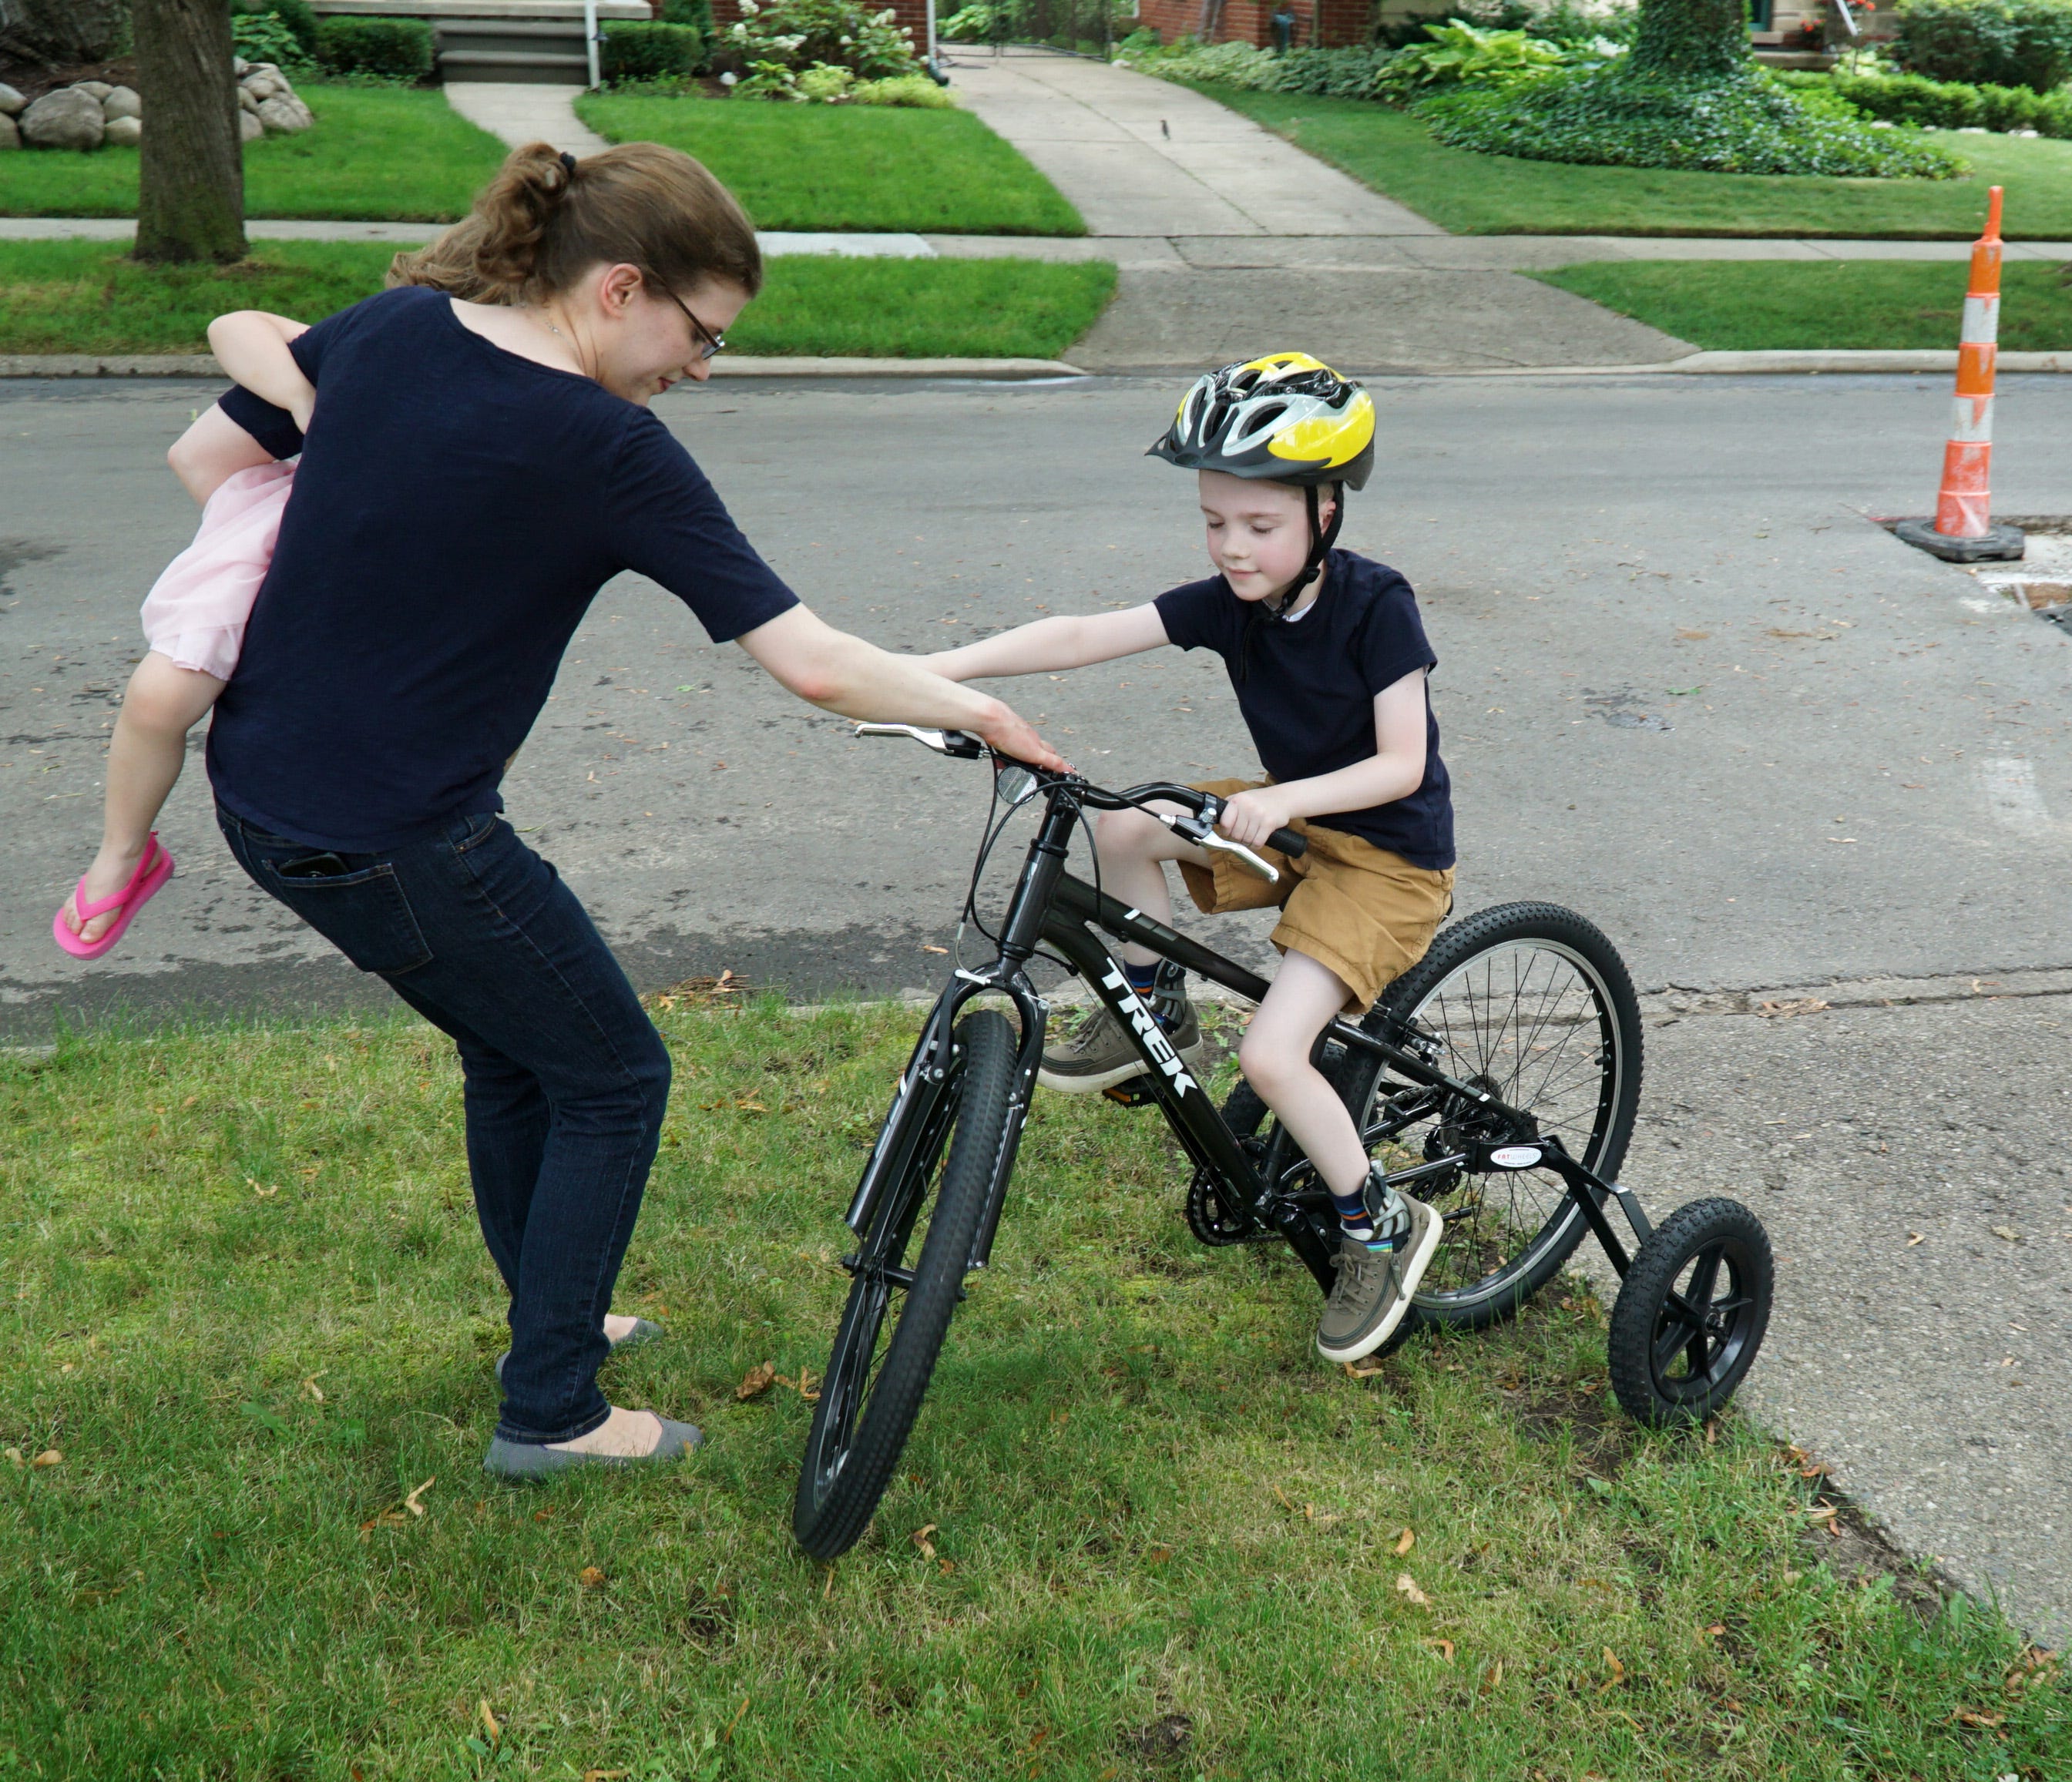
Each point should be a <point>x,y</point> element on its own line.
<point>898,1315</point>
<point>1529,1002</point>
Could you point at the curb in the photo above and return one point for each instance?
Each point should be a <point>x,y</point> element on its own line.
<point>1701,364</point>
<point>204,365</point>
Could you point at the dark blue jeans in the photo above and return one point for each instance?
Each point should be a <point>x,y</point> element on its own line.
<point>566,1077</point>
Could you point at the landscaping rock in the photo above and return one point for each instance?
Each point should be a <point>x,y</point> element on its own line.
<point>250,128</point>
<point>99,89</point>
<point>283,117</point>
<point>246,102</point>
<point>121,102</point>
<point>259,87</point>
<point>10,138</point>
<point>69,118</point>
<point>125,132</point>
<point>11,102</point>
<point>239,67</point>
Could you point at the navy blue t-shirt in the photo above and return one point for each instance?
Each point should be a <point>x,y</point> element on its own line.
<point>456,510</point>
<point>1307,689</point>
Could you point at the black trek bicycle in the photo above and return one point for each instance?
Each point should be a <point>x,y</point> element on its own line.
<point>1499,1080</point>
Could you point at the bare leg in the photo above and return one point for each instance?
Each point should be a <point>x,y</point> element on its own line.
<point>163,702</point>
<point>1133,850</point>
<point>1275,1057</point>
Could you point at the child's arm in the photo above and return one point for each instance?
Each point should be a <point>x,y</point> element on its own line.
<point>1058,642</point>
<point>211,451</point>
<point>252,347</point>
<point>1394,771</point>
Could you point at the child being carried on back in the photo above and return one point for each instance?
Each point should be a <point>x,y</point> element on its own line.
<point>1328,657</point>
<point>194,624</point>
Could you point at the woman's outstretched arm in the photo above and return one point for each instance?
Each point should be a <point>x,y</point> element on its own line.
<point>1049,644</point>
<point>830,669</point>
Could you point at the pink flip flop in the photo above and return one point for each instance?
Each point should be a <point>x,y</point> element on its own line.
<point>153,870</point>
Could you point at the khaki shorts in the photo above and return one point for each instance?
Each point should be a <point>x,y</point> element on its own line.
<point>1366,914</point>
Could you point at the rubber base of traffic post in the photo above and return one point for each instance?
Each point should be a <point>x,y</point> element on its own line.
<point>2001,544</point>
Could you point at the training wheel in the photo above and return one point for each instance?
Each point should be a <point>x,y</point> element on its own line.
<point>1692,1313</point>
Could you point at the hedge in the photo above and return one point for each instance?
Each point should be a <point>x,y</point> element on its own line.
<point>397,49</point>
<point>1943,105</point>
<point>639,50</point>
<point>1997,42</point>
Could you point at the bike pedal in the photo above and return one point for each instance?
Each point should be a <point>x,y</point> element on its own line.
<point>1132,1094</point>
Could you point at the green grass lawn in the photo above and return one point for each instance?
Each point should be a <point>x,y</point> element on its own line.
<point>849,166</point>
<point>1141,1531</point>
<point>1470,194</point>
<point>374,153</point>
<point>1739,306</point>
<point>88,297</point>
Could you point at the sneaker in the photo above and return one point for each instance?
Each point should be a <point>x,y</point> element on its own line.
<point>1101,1052</point>
<point>1373,1290</point>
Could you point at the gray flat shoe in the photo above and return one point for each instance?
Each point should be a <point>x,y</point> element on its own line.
<point>644,1330</point>
<point>534,1460</point>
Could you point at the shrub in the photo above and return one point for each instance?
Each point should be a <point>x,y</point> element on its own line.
<point>293,14</point>
<point>1331,74</point>
<point>916,90</point>
<point>1935,104</point>
<point>641,50</point>
<point>837,33</point>
<point>1233,64</point>
<point>265,37</point>
<point>1997,42</point>
<point>1611,117</point>
<point>1556,21</point>
<point>697,14</point>
<point>822,82</point>
<point>396,49</point>
<point>1457,53</point>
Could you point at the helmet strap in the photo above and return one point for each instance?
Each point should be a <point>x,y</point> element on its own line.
<point>1322,539</point>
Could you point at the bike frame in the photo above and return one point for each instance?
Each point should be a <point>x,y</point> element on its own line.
<point>1050,908</point>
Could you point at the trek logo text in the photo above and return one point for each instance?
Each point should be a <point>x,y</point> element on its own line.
<point>1148,1030</point>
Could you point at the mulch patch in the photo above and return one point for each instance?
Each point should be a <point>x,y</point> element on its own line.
<point>33,79</point>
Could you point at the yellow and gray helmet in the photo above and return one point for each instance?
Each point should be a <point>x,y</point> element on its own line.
<point>1285,417</point>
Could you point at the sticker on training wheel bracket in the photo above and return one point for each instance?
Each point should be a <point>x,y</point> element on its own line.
<point>1516,1157</point>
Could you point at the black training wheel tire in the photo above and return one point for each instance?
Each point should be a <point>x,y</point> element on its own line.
<point>1692,1313</point>
<point>1486,1269</point>
<point>840,1479</point>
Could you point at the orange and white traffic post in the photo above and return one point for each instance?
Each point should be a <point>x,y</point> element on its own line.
<point>1963,530</point>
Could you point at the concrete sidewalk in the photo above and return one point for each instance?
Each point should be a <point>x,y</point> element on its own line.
<point>523,111</point>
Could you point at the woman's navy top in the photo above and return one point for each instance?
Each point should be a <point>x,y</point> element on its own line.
<point>456,510</point>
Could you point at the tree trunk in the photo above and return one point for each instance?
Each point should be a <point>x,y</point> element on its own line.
<point>190,184</point>
<point>1692,38</point>
<point>56,31</point>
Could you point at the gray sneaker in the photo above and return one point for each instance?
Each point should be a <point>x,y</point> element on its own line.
<point>1100,1054</point>
<point>1374,1286</point>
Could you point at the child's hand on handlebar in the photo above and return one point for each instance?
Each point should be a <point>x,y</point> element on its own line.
<point>1251,817</point>
<point>1005,731</point>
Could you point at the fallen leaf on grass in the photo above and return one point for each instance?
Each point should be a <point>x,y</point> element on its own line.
<point>1405,1542</point>
<point>1974,1716</point>
<point>591,1577</point>
<point>757,1380</point>
<point>1714,1631</point>
<point>1492,1678</point>
<point>411,1503</point>
<point>1408,1586</point>
<point>15,1455</point>
<point>604,1775</point>
<point>50,1457</point>
<point>1158,1556</point>
<point>310,1386</point>
<point>1617,1672</point>
<point>386,1519</point>
<point>920,1539</point>
<point>1443,1648</point>
<point>2034,1666</point>
<point>1365,1369</point>
<point>803,1387</point>
<point>489,1721</point>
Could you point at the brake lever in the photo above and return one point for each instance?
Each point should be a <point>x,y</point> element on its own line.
<point>1201,834</point>
<point>959,743</point>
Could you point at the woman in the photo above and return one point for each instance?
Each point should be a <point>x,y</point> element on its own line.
<point>474,472</point>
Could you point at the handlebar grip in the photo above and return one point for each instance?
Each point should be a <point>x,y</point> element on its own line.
<point>1288,843</point>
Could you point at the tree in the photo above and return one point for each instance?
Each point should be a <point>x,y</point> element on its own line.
<point>58,31</point>
<point>191,183</point>
<point>1688,39</point>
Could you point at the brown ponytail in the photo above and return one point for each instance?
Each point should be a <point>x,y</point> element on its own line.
<point>544,220</point>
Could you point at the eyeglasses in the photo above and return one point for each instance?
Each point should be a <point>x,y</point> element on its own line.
<point>710,344</point>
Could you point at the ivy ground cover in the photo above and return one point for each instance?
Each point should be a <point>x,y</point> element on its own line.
<point>1141,1532</point>
<point>805,166</point>
<point>88,297</point>
<point>375,155</point>
<point>1472,194</point>
<point>1751,305</point>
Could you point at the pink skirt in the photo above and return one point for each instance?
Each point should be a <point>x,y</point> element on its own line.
<point>195,613</point>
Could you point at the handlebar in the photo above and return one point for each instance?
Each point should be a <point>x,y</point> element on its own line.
<point>1199,828</point>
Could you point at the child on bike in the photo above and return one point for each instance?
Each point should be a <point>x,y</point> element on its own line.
<point>1328,659</point>
<point>194,627</point>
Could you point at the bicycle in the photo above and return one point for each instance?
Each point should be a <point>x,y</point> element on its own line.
<point>1500,1078</point>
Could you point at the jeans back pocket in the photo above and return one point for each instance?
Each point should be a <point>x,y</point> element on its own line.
<point>363,914</point>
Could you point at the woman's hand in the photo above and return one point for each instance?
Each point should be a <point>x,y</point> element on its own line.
<point>1007,733</point>
<point>1250,817</point>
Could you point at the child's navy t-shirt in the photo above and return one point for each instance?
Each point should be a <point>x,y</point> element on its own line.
<point>1307,689</point>
<point>457,509</point>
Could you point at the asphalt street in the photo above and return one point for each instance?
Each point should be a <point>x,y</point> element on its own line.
<point>1686,686</point>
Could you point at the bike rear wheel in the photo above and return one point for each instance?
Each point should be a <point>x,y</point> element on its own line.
<point>1532,1004</point>
<point>893,1327</point>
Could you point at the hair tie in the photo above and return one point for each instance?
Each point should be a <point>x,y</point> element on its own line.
<point>568,163</point>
